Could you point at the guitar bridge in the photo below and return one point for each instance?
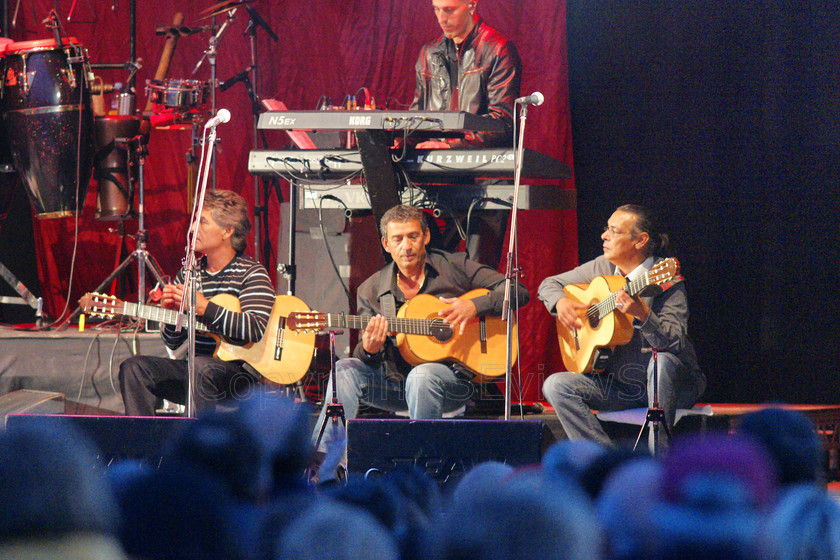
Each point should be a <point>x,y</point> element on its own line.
<point>482,334</point>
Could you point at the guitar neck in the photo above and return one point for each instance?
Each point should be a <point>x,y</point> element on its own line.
<point>158,314</point>
<point>395,324</point>
<point>607,306</point>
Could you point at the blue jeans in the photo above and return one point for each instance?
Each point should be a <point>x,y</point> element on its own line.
<point>630,385</point>
<point>427,392</point>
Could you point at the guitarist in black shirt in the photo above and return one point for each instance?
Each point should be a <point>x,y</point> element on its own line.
<point>377,374</point>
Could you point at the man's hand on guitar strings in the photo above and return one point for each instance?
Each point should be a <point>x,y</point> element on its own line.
<point>374,335</point>
<point>632,306</point>
<point>459,313</point>
<point>569,313</point>
<point>174,293</point>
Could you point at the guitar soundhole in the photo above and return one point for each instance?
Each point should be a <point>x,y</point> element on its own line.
<point>594,321</point>
<point>440,330</point>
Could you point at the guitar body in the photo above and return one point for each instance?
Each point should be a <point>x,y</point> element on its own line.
<point>282,355</point>
<point>615,329</point>
<point>484,356</point>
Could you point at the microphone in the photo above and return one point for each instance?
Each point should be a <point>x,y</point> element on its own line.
<point>222,116</point>
<point>535,98</point>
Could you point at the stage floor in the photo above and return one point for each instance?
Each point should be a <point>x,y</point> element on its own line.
<point>83,366</point>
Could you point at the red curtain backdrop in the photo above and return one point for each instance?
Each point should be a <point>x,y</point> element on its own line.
<point>326,48</point>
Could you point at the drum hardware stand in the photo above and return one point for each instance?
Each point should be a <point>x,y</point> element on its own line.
<point>655,413</point>
<point>140,147</point>
<point>26,297</point>
<point>253,86</point>
<point>210,55</point>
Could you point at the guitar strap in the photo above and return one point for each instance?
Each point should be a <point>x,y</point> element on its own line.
<point>389,305</point>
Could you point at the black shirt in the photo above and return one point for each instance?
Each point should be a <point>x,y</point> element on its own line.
<point>447,275</point>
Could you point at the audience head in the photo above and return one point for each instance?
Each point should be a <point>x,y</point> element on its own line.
<point>51,484</point>
<point>625,507</point>
<point>519,518</point>
<point>482,478</point>
<point>335,531</point>
<point>571,457</point>
<point>715,490</point>
<point>597,470</point>
<point>791,440</point>
<point>179,512</point>
<point>254,449</point>
<point>804,524</point>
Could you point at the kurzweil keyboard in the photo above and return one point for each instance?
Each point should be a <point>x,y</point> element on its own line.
<point>337,164</point>
<point>460,199</point>
<point>378,120</point>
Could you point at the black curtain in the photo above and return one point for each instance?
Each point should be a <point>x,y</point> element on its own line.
<point>724,116</point>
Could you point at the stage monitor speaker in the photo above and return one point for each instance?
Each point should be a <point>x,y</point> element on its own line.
<point>443,449</point>
<point>27,401</point>
<point>117,438</point>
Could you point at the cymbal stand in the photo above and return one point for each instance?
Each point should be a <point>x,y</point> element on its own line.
<point>334,409</point>
<point>139,146</point>
<point>655,414</point>
<point>210,55</point>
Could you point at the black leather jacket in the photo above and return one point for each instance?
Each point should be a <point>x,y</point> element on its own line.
<point>489,76</point>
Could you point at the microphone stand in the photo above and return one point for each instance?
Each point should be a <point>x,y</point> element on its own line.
<point>512,273</point>
<point>191,274</point>
<point>253,85</point>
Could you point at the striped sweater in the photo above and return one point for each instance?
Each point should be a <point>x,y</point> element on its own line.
<point>244,278</point>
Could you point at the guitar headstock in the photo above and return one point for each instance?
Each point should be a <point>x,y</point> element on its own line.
<point>664,271</point>
<point>101,305</point>
<point>306,321</point>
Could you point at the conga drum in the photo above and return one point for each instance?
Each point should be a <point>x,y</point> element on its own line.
<point>46,112</point>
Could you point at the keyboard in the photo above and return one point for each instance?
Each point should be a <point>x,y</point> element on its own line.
<point>378,120</point>
<point>419,164</point>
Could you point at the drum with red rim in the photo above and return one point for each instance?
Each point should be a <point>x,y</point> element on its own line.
<point>45,109</point>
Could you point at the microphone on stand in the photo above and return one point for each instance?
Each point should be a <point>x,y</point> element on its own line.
<point>222,116</point>
<point>535,98</point>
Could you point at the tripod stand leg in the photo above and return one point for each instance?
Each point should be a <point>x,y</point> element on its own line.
<point>334,413</point>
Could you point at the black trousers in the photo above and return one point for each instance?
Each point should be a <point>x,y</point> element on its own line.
<point>145,379</point>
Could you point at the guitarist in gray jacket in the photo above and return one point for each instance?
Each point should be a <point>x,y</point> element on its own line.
<point>623,378</point>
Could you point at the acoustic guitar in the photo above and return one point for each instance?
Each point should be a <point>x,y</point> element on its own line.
<point>424,337</point>
<point>282,355</point>
<point>603,326</point>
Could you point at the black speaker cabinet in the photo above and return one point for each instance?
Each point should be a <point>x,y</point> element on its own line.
<point>116,437</point>
<point>30,402</point>
<point>443,449</point>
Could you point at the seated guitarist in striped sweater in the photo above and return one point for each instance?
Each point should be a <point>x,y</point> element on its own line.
<point>377,375</point>
<point>632,246</point>
<point>224,269</point>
